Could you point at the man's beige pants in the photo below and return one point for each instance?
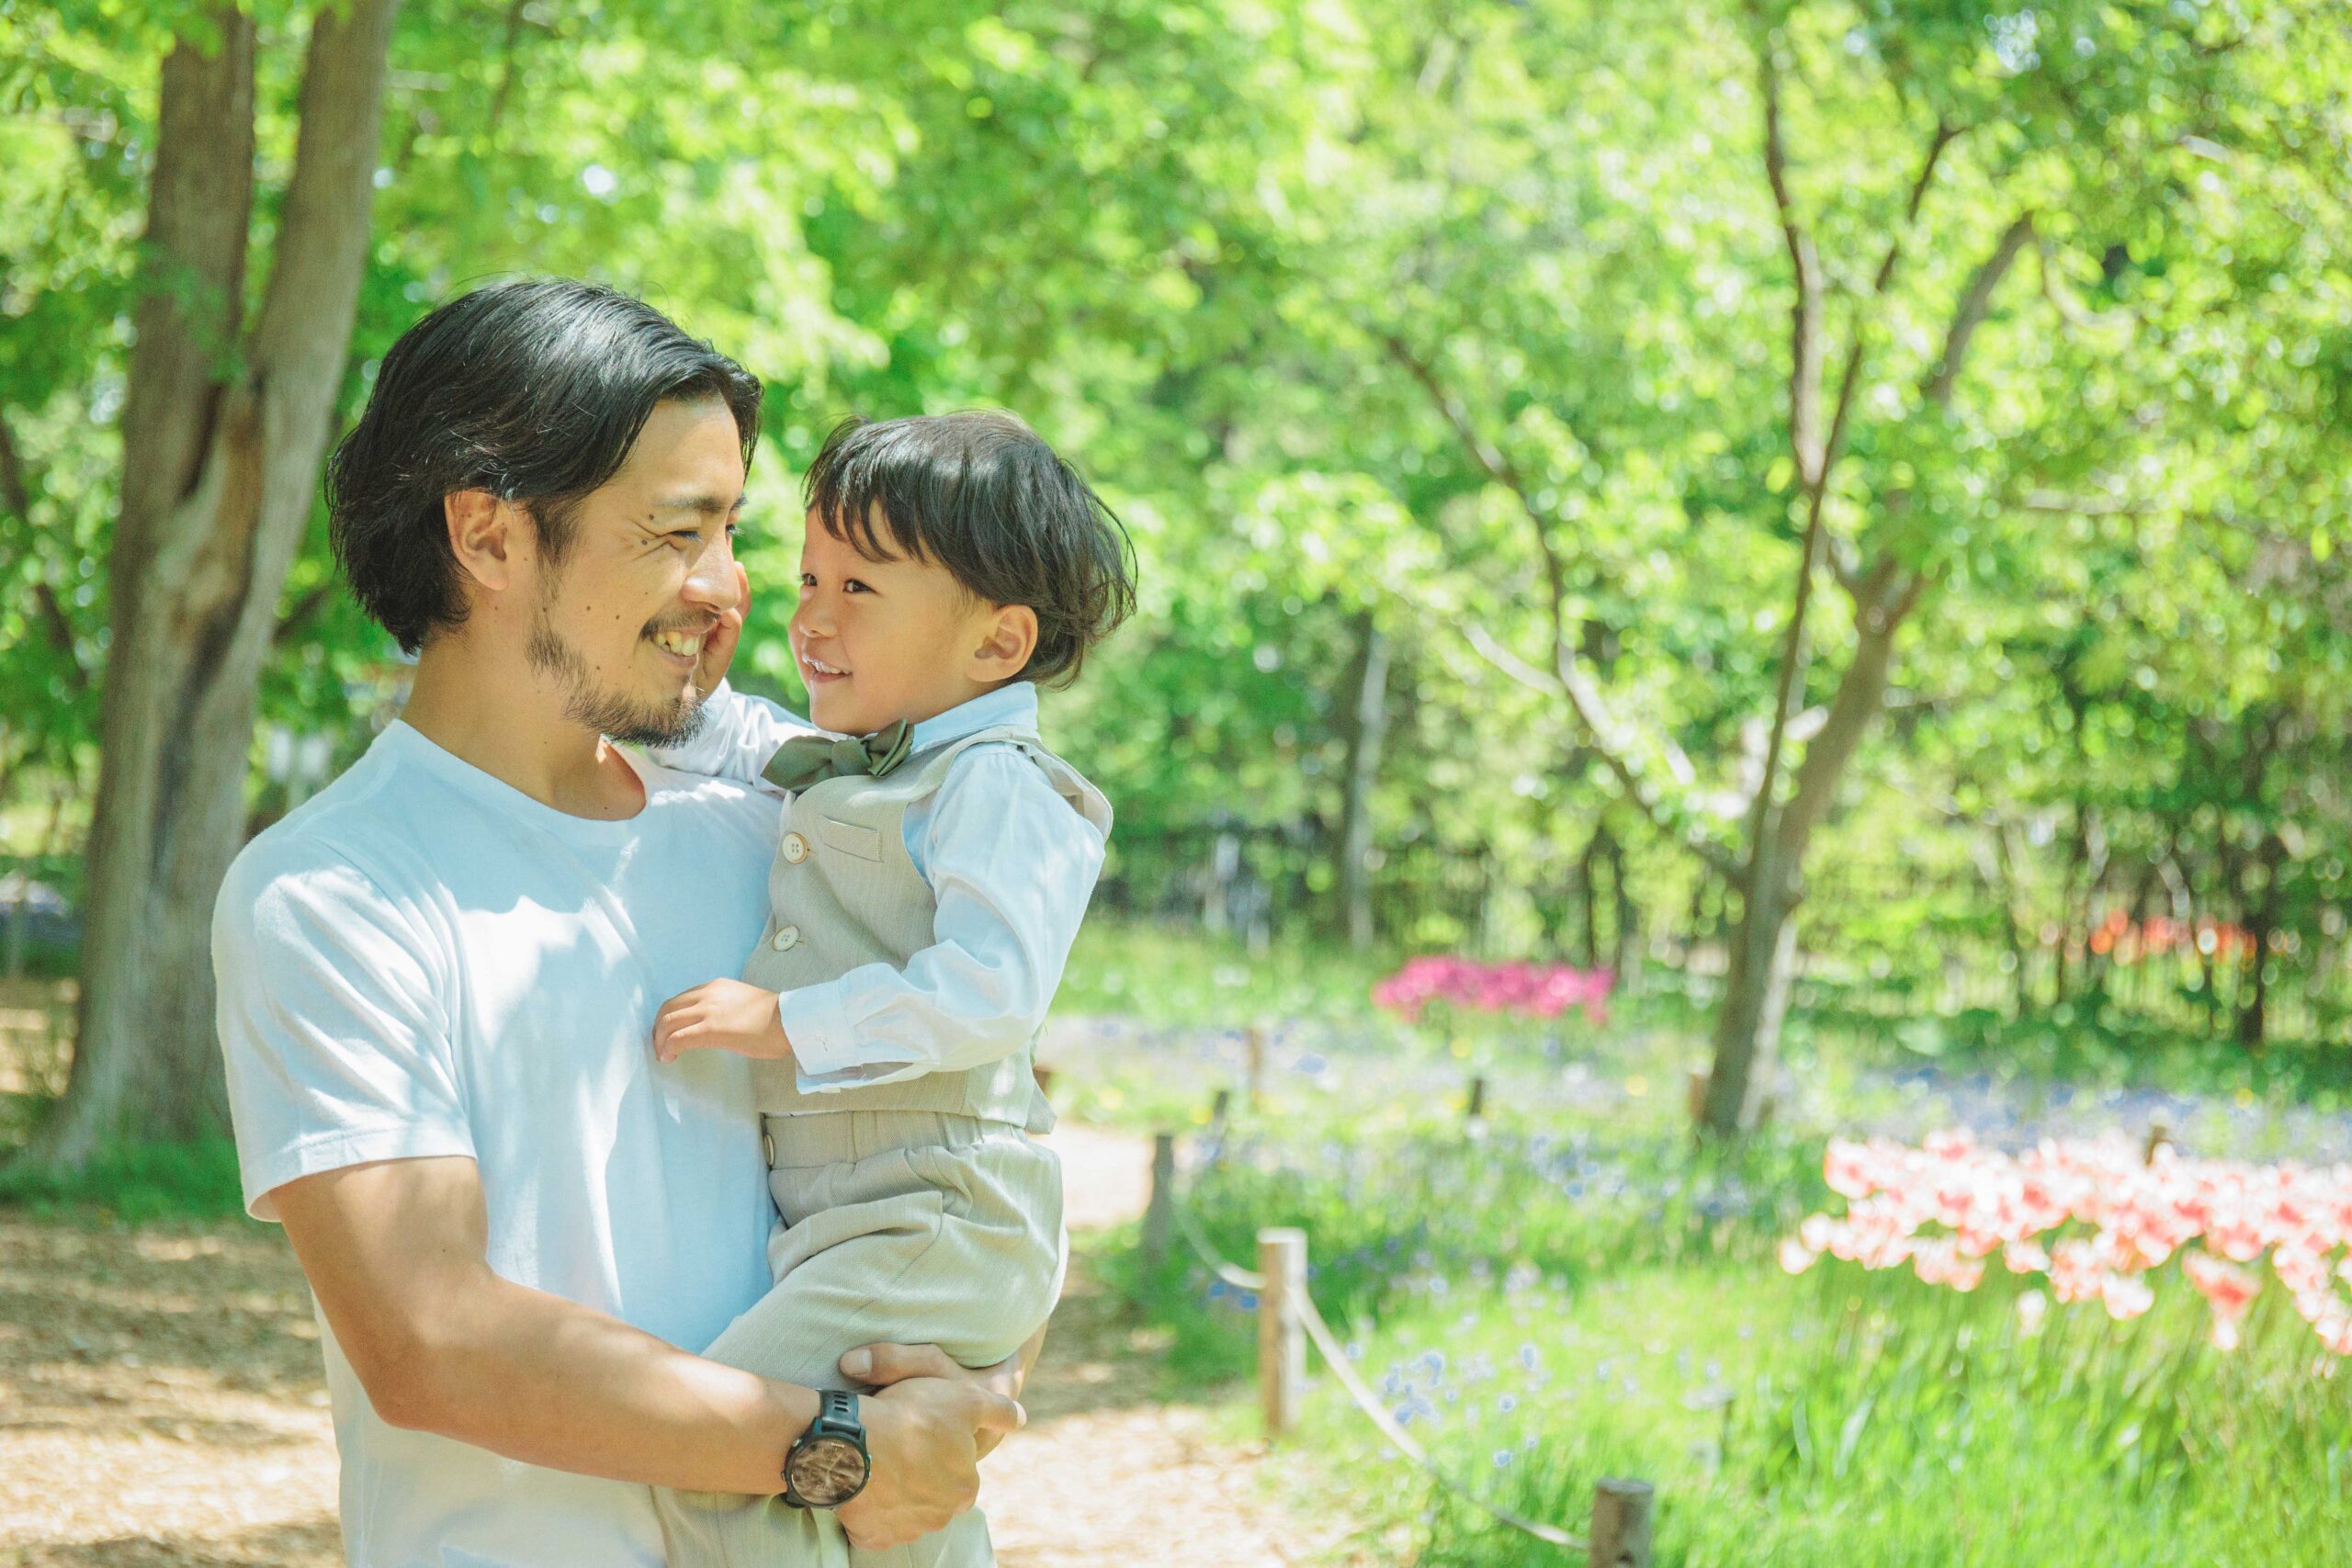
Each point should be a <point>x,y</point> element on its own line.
<point>902,1226</point>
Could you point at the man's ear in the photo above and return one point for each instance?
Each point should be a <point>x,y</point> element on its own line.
<point>483,536</point>
<point>1007,640</point>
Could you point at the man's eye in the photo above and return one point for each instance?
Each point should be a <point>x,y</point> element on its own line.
<point>685,538</point>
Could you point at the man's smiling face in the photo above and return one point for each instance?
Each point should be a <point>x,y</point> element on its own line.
<point>647,569</point>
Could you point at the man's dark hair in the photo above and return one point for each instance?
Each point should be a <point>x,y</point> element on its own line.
<point>983,495</point>
<point>533,391</point>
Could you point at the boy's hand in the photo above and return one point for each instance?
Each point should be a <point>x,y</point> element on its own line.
<point>879,1365</point>
<point>718,647</point>
<point>721,1015</point>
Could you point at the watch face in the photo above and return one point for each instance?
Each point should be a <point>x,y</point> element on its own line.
<point>827,1471</point>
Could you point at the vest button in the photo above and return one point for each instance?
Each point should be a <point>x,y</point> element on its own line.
<point>786,938</point>
<point>795,848</point>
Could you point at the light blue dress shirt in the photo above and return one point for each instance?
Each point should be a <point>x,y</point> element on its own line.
<point>1011,863</point>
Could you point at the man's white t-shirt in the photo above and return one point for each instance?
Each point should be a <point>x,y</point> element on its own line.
<point>422,961</point>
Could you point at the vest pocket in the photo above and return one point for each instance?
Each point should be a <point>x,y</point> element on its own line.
<point>851,839</point>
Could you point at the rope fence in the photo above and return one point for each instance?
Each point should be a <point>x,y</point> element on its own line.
<point>1288,1321</point>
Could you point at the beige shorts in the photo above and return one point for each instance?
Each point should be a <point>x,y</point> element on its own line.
<point>909,1226</point>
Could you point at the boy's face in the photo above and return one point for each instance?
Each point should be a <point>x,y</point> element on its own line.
<point>879,641</point>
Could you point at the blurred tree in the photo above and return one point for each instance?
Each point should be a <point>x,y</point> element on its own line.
<point>223,433</point>
<point>1567,267</point>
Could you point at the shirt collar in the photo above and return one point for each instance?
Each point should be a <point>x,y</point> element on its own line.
<point>1013,703</point>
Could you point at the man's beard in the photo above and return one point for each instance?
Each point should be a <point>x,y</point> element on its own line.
<point>614,714</point>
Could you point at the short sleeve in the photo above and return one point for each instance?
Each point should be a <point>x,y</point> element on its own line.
<point>333,1024</point>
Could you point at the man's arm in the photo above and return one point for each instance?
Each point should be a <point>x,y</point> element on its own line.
<point>396,1252</point>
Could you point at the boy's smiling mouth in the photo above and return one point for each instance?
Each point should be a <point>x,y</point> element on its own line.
<point>817,670</point>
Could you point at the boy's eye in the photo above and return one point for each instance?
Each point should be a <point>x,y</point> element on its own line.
<point>855,586</point>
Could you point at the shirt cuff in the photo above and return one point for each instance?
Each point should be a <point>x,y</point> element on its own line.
<point>826,1055</point>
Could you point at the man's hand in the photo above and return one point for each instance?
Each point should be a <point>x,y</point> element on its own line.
<point>721,1015</point>
<point>924,1434</point>
<point>718,647</point>
<point>881,1365</point>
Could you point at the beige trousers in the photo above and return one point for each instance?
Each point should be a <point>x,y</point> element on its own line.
<point>905,1226</point>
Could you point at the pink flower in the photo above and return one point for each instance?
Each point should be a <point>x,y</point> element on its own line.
<point>2127,1296</point>
<point>2093,1216</point>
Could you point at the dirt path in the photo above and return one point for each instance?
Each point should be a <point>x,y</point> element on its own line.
<point>161,1402</point>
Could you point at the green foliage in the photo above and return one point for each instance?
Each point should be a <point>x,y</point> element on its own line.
<point>1222,254</point>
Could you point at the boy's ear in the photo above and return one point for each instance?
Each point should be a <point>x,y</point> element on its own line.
<point>1008,638</point>
<point>482,536</point>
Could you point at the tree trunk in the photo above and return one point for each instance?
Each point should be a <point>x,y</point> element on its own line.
<point>222,446</point>
<point>1589,891</point>
<point>1762,960</point>
<point>2261,919</point>
<point>1367,734</point>
<point>1763,943</point>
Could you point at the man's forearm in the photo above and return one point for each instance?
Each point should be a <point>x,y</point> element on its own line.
<point>536,1378</point>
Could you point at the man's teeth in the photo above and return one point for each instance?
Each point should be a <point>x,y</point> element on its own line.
<point>685,645</point>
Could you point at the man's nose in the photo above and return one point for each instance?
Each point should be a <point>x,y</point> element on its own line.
<point>713,579</point>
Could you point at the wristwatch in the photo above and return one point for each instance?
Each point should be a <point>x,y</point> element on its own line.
<point>828,1465</point>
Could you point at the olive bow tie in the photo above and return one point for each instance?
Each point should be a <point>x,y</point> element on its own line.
<point>806,760</point>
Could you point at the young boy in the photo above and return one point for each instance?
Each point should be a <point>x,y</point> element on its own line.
<point>935,862</point>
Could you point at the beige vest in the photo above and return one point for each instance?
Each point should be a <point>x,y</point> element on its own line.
<point>843,892</point>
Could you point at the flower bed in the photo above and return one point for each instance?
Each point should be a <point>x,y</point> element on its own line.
<point>2095,1220</point>
<point>1532,990</point>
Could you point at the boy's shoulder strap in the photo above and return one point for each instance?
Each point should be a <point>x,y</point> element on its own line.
<point>931,767</point>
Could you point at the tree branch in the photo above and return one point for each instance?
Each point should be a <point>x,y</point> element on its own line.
<point>1805,443</point>
<point>506,42</point>
<point>1975,305</point>
<point>1861,693</point>
<point>1850,381</point>
<point>17,495</point>
<point>1569,678</point>
<point>1592,710</point>
<point>59,627</point>
<point>308,605</point>
<point>15,486</point>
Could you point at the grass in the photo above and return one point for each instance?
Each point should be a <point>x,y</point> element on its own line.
<point>133,1184</point>
<point>1553,1304</point>
<point>1183,977</point>
<point>1841,1417</point>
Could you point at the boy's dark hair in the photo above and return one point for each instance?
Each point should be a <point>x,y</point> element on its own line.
<point>534,390</point>
<point>983,495</point>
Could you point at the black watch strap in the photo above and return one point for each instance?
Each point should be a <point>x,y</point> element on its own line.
<point>836,1418</point>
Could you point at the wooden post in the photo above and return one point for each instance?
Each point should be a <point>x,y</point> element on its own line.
<point>1254,1039</point>
<point>1621,1523</point>
<point>1220,1109</point>
<point>1281,1333</point>
<point>1159,1215</point>
<point>2159,1137</point>
<point>1478,1112</point>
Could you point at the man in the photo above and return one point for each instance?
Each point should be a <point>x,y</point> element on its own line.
<point>438,977</point>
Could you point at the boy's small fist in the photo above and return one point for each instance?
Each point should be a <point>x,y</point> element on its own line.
<point>721,1015</point>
